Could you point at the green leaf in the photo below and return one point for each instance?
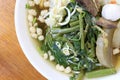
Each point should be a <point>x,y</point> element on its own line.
<point>27,6</point>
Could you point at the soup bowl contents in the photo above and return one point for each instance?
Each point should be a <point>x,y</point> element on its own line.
<point>81,37</point>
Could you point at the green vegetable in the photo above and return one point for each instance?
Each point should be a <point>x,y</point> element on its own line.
<point>88,18</point>
<point>72,1</point>
<point>34,20</point>
<point>80,37</point>
<point>27,6</point>
<point>81,30</point>
<point>60,58</point>
<point>100,73</point>
<point>74,18</point>
<point>86,30</point>
<point>81,75</point>
<point>78,76</point>
<point>72,24</point>
<point>73,77</point>
<point>63,31</point>
<point>71,5</point>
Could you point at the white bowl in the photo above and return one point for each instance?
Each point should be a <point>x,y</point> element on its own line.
<point>31,52</point>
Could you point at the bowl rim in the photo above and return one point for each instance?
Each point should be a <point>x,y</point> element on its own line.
<point>24,40</point>
<point>33,59</point>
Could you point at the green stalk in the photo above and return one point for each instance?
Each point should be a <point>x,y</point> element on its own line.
<point>27,6</point>
<point>74,23</point>
<point>86,30</point>
<point>81,30</point>
<point>81,75</point>
<point>100,73</point>
<point>92,47</point>
<point>34,20</point>
<point>72,1</point>
<point>63,31</point>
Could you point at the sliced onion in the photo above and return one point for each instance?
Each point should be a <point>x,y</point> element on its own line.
<point>73,11</point>
<point>46,15</point>
<point>67,19</point>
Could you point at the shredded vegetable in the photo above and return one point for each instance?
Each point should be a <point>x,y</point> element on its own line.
<point>69,37</point>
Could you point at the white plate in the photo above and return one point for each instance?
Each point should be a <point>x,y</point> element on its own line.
<point>32,54</point>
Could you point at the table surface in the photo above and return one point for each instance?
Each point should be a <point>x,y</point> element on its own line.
<point>13,63</point>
